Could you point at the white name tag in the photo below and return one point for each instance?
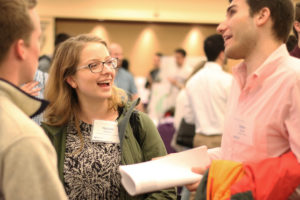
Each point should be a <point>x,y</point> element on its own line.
<point>243,132</point>
<point>105,131</point>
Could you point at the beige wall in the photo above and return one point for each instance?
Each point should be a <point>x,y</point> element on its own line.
<point>47,38</point>
<point>133,39</point>
<point>191,11</point>
<point>141,40</point>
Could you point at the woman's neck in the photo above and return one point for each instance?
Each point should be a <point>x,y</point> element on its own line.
<point>90,111</point>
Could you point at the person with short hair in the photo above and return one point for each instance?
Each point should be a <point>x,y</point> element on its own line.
<point>46,60</point>
<point>124,79</point>
<point>153,76</point>
<point>183,71</point>
<point>208,91</point>
<point>262,118</point>
<point>28,160</point>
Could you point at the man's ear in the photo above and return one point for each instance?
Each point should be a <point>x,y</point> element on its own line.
<point>297,26</point>
<point>20,49</point>
<point>222,55</point>
<point>70,80</point>
<point>263,16</point>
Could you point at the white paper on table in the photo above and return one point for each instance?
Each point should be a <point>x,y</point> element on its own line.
<point>166,172</point>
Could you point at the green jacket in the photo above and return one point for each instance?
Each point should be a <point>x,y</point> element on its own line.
<point>149,145</point>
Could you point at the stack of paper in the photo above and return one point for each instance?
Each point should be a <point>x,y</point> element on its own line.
<point>166,172</point>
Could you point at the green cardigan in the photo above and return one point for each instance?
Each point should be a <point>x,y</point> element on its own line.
<point>150,145</point>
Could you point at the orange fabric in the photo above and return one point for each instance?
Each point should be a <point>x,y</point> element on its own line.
<point>222,175</point>
<point>273,178</point>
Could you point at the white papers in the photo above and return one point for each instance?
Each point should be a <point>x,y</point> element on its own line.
<point>166,172</point>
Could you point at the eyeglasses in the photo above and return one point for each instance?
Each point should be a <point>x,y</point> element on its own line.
<point>98,66</point>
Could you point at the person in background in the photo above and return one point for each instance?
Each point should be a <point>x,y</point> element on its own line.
<point>28,160</point>
<point>82,76</point>
<point>125,64</point>
<point>296,29</point>
<point>45,60</point>
<point>208,92</point>
<point>153,76</point>
<point>124,79</point>
<point>174,75</point>
<point>182,70</point>
<point>262,118</point>
<point>291,43</point>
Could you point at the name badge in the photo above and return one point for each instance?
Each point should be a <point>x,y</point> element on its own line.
<point>243,132</point>
<point>105,131</point>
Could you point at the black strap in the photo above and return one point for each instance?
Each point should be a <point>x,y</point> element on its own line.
<point>123,123</point>
<point>135,126</point>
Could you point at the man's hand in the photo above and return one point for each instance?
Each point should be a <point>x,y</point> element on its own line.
<point>193,187</point>
<point>29,88</point>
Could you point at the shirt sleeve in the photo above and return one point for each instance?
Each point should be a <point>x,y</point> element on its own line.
<point>183,110</point>
<point>188,113</point>
<point>293,120</point>
<point>193,110</point>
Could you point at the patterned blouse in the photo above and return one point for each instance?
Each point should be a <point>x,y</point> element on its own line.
<point>92,172</point>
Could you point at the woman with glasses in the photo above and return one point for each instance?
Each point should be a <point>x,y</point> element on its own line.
<point>92,125</point>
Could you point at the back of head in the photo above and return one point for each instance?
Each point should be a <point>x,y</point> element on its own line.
<point>158,54</point>
<point>213,46</point>
<point>15,23</point>
<point>61,37</point>
<point>156,59</point>
<point>291,43</point>
<point>282,15</point>
<point>181,51</point>
<point>125,64</point>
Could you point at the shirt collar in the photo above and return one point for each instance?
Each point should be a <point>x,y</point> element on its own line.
<point>30,105</point>
<point>212,65</point>
<point>262,72</point>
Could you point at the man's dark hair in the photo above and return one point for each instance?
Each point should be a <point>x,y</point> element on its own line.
<point>181,51</point>
<point>61,37</point>
<point>291,43</point>
<point>213,46</point>
<point>159,54</point>
<point>282,14</point>
<point>125,64</point>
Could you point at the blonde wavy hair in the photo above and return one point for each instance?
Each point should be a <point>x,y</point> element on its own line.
<point>63,99</point>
